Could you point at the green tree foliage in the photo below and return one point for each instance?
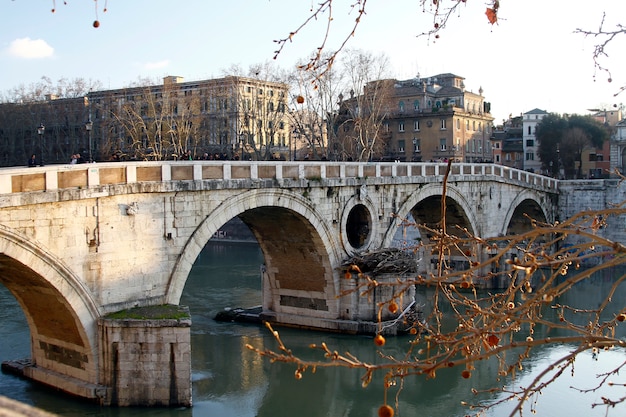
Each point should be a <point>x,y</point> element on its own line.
<point>562,140</point>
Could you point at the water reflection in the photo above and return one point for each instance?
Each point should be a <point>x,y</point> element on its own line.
<point>231,381</point>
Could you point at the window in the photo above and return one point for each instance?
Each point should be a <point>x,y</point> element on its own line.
<point>530,142</point>
<point>416,145</point>
<point>458,124</point>
<point>507,157</point>
<point>401,146</point>
<point>530,156</point>
<point>442,144</point>
<point>529,132</point>
<point>416,105</point>
<point>416,125</point>
<point>401,126</point>
<point>443,124</point>
<point>401,106</point>
<point>497,159</point>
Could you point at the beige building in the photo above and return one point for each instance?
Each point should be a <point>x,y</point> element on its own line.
<point>422,119</point>
<point>226,118</point>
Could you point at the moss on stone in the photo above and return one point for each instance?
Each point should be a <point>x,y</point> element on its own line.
<point>160,312</point>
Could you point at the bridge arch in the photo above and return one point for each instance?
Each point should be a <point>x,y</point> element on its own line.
<point>60,311</point>
<point>300,250</point>
<point>424,193</point>
<point>525,202</point>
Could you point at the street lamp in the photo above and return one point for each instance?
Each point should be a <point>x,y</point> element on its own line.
<point>40,130</point>
<point>88,127</point>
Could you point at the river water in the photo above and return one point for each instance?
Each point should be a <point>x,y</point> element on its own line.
<point>231,381</point>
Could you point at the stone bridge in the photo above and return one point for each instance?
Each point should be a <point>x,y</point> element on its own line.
<point>79,243</point>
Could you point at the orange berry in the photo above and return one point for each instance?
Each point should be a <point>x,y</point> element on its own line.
<point>466,374</point>
<point>621,317</point>
<point>413,330</point>
<point>300,99</point>
<point>96,24</point>
<point>385,411</point>
<point>493,340</point>
<point>298,374</point>
<point>393,307</point>
<point>465,285</point>
<point>379,340</point>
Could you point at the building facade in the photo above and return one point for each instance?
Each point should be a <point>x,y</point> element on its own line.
<point>530,144</point>
<point>231,117</point>
<point>508,144</point>
<point>52,130</point>
<point>421,119</point>
<point>618,147</point>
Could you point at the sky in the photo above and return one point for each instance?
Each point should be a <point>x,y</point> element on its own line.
<point>530,59</point>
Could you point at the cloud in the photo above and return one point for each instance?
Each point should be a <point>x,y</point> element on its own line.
<point>157,65</point>
<point>30,48</point>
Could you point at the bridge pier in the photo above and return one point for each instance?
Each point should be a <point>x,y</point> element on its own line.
<point>146,361</point>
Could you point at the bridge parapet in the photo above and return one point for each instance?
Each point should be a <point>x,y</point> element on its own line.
<point>89,176</point>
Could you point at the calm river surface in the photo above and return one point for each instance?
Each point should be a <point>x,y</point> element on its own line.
<point>230,381</point>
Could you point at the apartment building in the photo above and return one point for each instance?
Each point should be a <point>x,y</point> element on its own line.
<point>420,119</point>
<point>53,129</point>
<point>531,146</point>
<point>231,117</point>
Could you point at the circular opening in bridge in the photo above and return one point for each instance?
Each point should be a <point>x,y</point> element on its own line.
<point>358,226</point>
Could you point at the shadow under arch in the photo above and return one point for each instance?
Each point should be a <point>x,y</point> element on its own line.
<point>61,314</point>
<point>515,221</point>
<point>428,191</point>
<point>299,248</point>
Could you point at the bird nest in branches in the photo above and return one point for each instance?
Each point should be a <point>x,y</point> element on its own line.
<point>385,261</point>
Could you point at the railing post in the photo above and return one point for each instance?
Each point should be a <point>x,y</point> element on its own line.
<point>254,171</point>
<point>93,176</point>
<point>279,172</point>
<point>6,184</point>
<point>226,171</point>
<point>166,172</point>
<point>52,180</point>
<point>131,174</point>
<point>197,172</point>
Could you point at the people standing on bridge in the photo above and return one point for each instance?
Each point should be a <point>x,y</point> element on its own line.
<point>32,162</point>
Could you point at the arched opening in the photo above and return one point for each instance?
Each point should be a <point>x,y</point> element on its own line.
<point>428,213</point>
<point>358,226</point>
<point>527,212</point>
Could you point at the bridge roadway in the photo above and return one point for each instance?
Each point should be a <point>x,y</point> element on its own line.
<point>80,242</point>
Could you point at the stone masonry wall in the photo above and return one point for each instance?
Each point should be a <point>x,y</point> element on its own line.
<point>146,362</point>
